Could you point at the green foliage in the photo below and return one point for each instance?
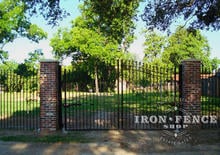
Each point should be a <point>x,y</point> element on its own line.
<point>17,77</point>
<point>96,35</point>
<point>14,23</point>
<point>203,14</point>
<point>183,44</point>
<point>186,44</point>
<point>30,65</point>
<point>157,14</point>
<point>80,76</point>
<point>49,9</point>
<point>8,78</point>
<point>35,33</point>
<point>215,62</point>
<point>3,55</point>
<point>77,77</point>
<point>8,66</point>
<point>82,43</point>
<point>5,68</point>
<point>113,18</point>
<point>13,82</point>
<point>97,38</point>
<point>33,60</point>
<point>154,45</point>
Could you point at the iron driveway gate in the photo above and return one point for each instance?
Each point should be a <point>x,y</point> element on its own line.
<point>119,95</point>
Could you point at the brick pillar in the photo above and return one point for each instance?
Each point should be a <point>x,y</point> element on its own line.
<point>49,96</point>
<point>191,87</point>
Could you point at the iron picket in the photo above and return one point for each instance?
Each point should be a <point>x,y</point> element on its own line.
<point>127,89</point>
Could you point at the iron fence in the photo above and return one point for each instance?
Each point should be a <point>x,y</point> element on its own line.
<point>116,95</point>
<point>19,100</point>
<point>112,95</point>
<point>210,85</point>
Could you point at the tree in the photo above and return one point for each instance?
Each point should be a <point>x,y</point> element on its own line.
<point>113,19</point>
<point>154,45</point>
<point>215,63</point>
<point>3,56</point>
<point>17,77</point>
<point>14,24</point>
<point>85,45</point>
<point>94,38</point>
<point>187,44</point>
<point>30,65</point>
<point>49,9</point>
<point>160,14</point>
<point>198,14</point>
<point>8,66</point>
<point>8,79</point>
<point>82,43</point>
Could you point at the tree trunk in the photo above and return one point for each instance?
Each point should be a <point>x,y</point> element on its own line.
<point>96,80</point>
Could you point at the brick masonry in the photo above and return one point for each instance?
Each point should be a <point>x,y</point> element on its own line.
<point>49,97</point>
<point>191,87</point>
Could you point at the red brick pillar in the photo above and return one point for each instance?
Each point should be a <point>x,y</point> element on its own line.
<point>49,95</point>
<point>191,87</point>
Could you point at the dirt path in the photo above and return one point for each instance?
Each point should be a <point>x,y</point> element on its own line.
<point>118,143</point>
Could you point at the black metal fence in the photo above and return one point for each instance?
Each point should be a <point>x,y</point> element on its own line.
<point>19,100</point>
<point>118,95</point>
<point>210,96</point>
<point>114,95</point>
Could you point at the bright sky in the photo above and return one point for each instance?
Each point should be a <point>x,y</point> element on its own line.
<point>19,49</point>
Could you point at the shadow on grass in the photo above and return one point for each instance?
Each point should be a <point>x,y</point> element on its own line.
<point>28,119</point>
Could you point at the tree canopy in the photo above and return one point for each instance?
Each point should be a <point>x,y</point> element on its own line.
<point>199,14</point>
<point>49,9</point>
<point>82,43</point>
<point>114,19</point>
<point>182,44</point>
<point>186,44</point>
<point>14,24</point>
<point>98,35</point>
<point>30,64</point>
<point>154,44</point>
<point>95,39</point>
<point>14,76</point>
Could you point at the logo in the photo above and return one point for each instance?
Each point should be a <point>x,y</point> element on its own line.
<point>176,123</point>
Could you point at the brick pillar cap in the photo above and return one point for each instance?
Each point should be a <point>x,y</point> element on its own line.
<point>191,60</point>
<point>49,60</point>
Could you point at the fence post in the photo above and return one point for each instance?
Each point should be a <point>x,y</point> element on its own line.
<point>49,96</point>
<point>191,88</point>
<point>218,83</point>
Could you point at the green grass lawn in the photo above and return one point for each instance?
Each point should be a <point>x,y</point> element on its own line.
<point>152,102</point>
<point>18,104</point>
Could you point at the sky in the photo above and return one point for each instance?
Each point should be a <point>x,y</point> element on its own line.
<point>19,49</point>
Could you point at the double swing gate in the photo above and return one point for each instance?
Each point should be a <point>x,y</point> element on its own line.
<point>119,95</point>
